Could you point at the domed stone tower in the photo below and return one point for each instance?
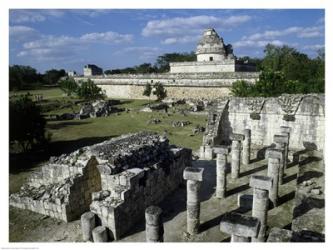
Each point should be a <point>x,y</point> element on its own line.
<point>210,47</point>
<point>213,56</point>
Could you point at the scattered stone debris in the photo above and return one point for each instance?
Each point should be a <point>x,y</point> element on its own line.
<point>154,121</point>
<point>98,108</point>
<point>198,129</point>
<point>180,123</point>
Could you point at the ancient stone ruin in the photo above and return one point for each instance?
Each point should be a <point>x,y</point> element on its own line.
<point>114,185</point>
<point>116,180</point>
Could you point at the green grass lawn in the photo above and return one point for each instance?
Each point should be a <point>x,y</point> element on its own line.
<point>68,136</point>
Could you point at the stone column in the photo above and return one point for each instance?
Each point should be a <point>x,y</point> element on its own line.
<point>261,186</point>
<point>282,143</point>
<point>194,177</point>
<point>100,234</point>
<point>246,152</point>
<point>88,223</point>
<point>279,154</point>
<point>221,168</point>
<point>273,172</point>
<point>286,131</point>
<point>154,224</point>
<point>240,227</point>
<point>235,154</point>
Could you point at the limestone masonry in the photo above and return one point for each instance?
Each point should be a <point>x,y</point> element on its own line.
<point>115,179</point>
<point>211,76</point>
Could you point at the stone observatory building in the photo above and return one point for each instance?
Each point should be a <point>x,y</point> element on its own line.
<point>212,56</point>
<point>210,77</point>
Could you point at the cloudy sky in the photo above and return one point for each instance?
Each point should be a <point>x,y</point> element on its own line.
<point>68,39</point>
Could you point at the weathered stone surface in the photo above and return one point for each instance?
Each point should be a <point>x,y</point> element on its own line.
<point>235,159</point>
<point>273,172</point>
<point>237,137</point>
<point>100,234</point>
<point>261,182</point>
<point>154,225</point>
<point>239,224</point>
<point>281,139</point>
<point>88,223</point>
<point>279,235</point>
<point>221,150</point>
<point>194,174</point>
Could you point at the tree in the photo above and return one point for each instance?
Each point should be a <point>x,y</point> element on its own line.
<point>147,91</point>
<point>52,76</point>
<point>162,62</point>
<point>68,85</point>
<point>89,90</point>
<point>26,123</point>
<point>241,88</point>
<point>21,76</point>
<point>159,91</point>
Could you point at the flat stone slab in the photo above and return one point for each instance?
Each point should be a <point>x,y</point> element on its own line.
<point>274,153</point>
<point>285,129</point>
<point>194,174</point>
<point>237,137</point>
<point>239,224</point>
<point>261,182</point>
<point>279,235</point>
<point>280,139</point>
<point>221,150</point>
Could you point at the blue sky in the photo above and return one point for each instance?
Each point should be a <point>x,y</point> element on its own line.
<point>71,38</point>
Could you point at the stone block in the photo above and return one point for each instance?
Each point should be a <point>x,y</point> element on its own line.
<point>237,137</point>
<point>194,174</point>
<point>261,182</point>
<point>281,139</point>
<point>100,234</point>
<point>239,224</point>
<point>245,201</point>
<point>279,235</point>
<point>221,150</point>
<point>274,153</point>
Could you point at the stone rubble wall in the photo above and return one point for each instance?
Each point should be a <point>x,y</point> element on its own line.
<point>179,86</point>
<point>127,194</point>
<point>304,114</point>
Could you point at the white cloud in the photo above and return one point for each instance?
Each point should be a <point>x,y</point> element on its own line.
<point>109,36</point>
<point>49,47</point>
<point>300,32</point>
<point>180,29</point>
<point>22,33</point>
<point>256,44</point>
<point>314,47</point>
<point>144,53</point>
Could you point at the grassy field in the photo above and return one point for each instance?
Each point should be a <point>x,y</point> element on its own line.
<point>68,136</point>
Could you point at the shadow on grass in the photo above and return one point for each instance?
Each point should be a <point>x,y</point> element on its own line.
<point>252,171</point>
<point>61,125</point>
<point>24,161</point>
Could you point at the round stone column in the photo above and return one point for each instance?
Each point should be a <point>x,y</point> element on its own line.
<point>154,224</point>
<point>259,210</point>
<point>100,234</point>
<point>194,176</point>
<point>235,159</point>
<point>88,223</point>
<point>246,152</point>
<point>221,180</point>
<point>273,172</point>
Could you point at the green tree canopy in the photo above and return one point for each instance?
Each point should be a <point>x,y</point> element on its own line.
<point>88,90</point>
<point>26,124</point>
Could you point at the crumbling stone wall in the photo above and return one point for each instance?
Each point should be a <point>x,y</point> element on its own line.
<point>139,176</point>
<point>116,179</point>
<point>304,114</point>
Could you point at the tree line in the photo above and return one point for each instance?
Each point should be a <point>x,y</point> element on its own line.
<point>285,70</point>
<point>26,77</point>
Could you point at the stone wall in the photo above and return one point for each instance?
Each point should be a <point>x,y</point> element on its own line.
<point>304,114</point>
<point>226,65</point>
<point>125,195</point>
<point>116,179</point>
<point>196,85</point>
